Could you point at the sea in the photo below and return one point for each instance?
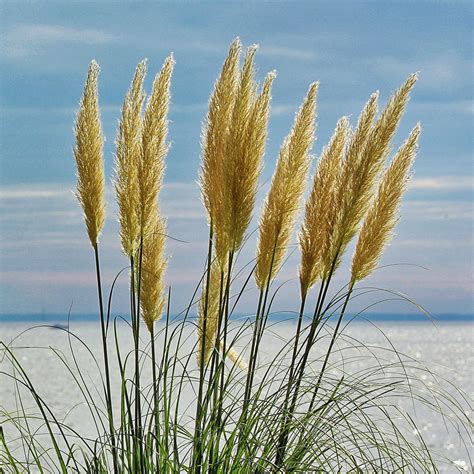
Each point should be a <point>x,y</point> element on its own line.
<point>438,357</point>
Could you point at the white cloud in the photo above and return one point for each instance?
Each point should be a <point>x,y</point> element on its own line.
<point>278,110</point>
<point>443,183</point>
<point>436,72</point>
<point>33,192</point>
<point>437,243</point>
<point>447,106</point>
<point>24,39</point>
<point>181,200</point>
<point>439,210</point>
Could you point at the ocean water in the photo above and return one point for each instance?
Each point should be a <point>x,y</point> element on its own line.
<point>435,356</point>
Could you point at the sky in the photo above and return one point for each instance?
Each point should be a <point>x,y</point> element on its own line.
<point>352,47</point>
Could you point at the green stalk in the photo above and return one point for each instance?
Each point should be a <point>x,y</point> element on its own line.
<point>11,460</point>
<point>211,393</point>
<point>134,313</point>
<point>221,367</point>
<point>331,344</point>
<point>256,339</point>
<point>137,360</point>
<point>197,442</point>
<point>163,373</point>
<point>328,352</point>
<point>284,434</point>
<point>108,394</point>
<point>250,373</point>
<point>125,406</point>
<point>155,391</point>
<point>287,414</point>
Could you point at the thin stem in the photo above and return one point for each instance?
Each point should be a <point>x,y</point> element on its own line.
<point>155,391</point>
<point>137,358</point>
<point>108,394</point>
<point>220,387</point>
<point>197,443</point>
<point>259,328</point>
<point>333,340</point>
<point>135,323</point>
<point>285,431</point>
<point>328,352</point>
<point>251,370</point>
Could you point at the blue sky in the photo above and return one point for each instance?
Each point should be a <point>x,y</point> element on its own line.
<point>353,48</point>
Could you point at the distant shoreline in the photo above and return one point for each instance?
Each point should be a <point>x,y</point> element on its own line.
<point>384,317</point>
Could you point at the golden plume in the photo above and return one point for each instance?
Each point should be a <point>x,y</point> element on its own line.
<point>233,144</point>
<point>361,170</point>
<point>88,152</point>
<point>245,149</point>
<point>152,275</point>
<point>154,146</point>
<point>208,311</point>
<point>381,218</point>
<point>234,356</point>
<point>316,230</point>
<point>215,136</point>
<point>127,159</point>
<point>284,197</point>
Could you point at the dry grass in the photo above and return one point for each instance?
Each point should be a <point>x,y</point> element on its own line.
<point>320,211</point>
<point>127,158</point>
<point>88,152</point>
<point>381,218</point>
<point>283,201</point>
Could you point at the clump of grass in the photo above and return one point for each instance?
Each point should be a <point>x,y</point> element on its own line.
<point>286,414</point>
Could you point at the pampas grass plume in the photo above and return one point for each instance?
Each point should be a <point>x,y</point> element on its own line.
<point>245,151</point>
<point>214,140</point>
<point>382,216</point>
<point>317,227</point>
<point>234,356</point>
<point>208,311</point>
<point>152,276</point>
<point>288,184</point>
<point>362,169</point>
<point>127,159</point>
<point>154,146</point>
<point>88,152</point>
<point>348,199</point>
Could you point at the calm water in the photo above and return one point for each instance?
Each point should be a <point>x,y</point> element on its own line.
<point>446,350</point>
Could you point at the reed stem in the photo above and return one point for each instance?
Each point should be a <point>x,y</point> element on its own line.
<point>155,393</point>
<point>220,379</point>
<point>197,442</point>
<point>108,394</point>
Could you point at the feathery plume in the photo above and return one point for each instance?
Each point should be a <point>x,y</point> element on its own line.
<point>342,197</point>
<point>382,217</point>
<point>208,311</point>
<point>245,149</point>
<point>233,146</point>
<point>88,152</point>
<point>154,146</point>
<point>234,356</point>
<point>152,276</point>
<point>127,159</point>
<point>215,136</point>
<point>284,197</point>
<point>362,168</point>
<point>316,230</point>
